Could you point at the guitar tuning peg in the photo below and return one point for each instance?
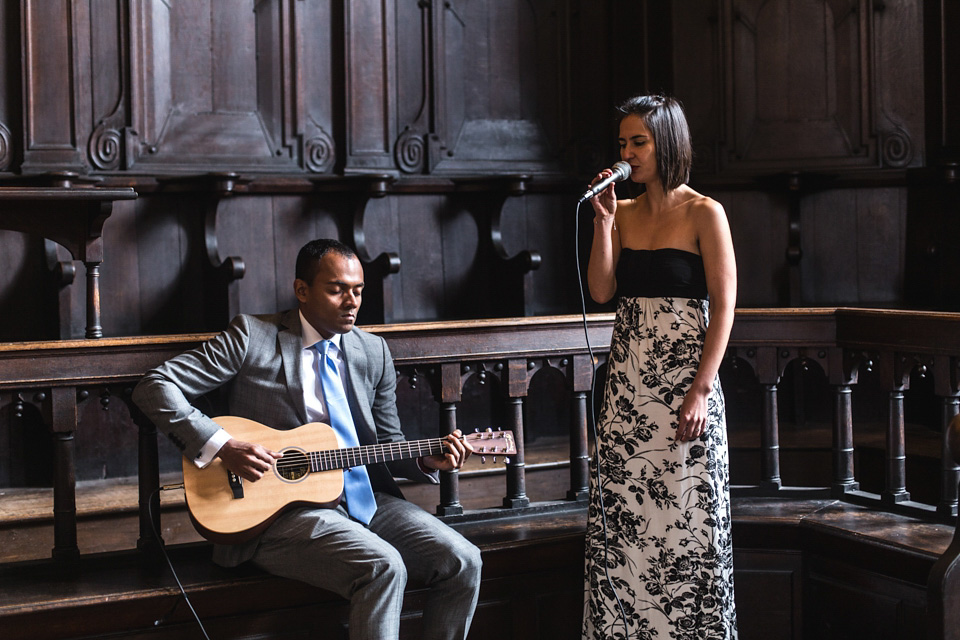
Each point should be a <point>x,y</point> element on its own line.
<point>494,459</point>
<point>506,460</point>
<point>489,430</point>
<point>483,459</point>
<point>477,430</point>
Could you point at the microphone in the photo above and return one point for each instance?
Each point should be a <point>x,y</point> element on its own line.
<point>621,171</point>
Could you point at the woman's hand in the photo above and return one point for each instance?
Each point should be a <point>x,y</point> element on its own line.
<point>693,416</point>
<point>605,203</point>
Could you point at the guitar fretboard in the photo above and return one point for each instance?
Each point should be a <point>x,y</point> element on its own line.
<point>368,454</point>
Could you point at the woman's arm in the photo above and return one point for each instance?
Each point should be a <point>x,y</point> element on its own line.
<point>605,249</point>
<point>719,262</point>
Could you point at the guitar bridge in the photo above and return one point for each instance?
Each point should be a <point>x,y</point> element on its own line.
<point>236,484</point>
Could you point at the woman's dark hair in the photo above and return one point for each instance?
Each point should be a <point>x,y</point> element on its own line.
<point>664,117</point>
<point>308,260</point>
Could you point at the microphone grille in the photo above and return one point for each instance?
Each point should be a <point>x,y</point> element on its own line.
<point>622,170</point>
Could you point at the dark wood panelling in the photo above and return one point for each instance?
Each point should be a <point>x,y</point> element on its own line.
<point>758,223</point>
<point>437,91</point>
<point>10,118</point>
<point>768,591</point>
<point>846,103</point>
<point>215,84</point>
<point>842,601</point>
<point>371,84</point>
<point>499,86</point>
<point>933,255</point>
<point>853,246</point>
<point>53,77</point>
<point>941,68</point>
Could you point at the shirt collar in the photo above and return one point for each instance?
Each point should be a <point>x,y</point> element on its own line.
<point>311,336</point>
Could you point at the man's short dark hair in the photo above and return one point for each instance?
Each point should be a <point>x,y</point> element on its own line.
<point>664,117</point>
<point>308,260</point>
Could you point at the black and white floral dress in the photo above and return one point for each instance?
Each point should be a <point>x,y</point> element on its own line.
<point>667,548</point>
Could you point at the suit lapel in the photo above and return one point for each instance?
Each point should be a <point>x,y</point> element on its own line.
<point>356,359</point>
<point>291,345</point>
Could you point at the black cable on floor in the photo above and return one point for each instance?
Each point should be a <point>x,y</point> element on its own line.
<point>163,548</point>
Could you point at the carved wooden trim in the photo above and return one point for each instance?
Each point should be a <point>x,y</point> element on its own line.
<point>53,81</point>
<point>371,126</point>
<point>165,135</point>
<point>6,148</point>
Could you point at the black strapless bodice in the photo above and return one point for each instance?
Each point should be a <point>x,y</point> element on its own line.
<point>659,273</point>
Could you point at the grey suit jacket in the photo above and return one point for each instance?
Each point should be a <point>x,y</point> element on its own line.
<point>257,362</point>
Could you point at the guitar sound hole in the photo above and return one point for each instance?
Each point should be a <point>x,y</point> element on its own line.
<point>293,466</point>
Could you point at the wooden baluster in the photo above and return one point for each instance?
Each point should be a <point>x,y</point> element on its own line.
<point>842,372</point>
<point>63,422</point>
<point>451,386</point>
<point>946,380</point>
<point>895,489</point>
<point>768,371</point>
<point>950,468</point>
<point>148,471</point>
<point>770,441</point>
<point>93,330</point>
<point>517,385</point>
<point>943,585</point>
<point>843,476</point>
<point>897,376</point>
<point>581,378</point>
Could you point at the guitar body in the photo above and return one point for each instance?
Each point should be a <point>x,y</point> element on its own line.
<point>229,510</point>
<point>221,517</point>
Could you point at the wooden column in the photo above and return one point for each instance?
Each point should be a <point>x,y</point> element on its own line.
<point>517,384</point>
<point>946,379</point>
<point>148,472</point>
<point>897,376</point>
<point>768,371</point>
<point>581,378</point>
<point>63,423</point>
<point>450,390</point>
<point>843,372</point>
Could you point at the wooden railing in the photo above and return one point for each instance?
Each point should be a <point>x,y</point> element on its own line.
<point>843,343</point>
<point>57,376</point>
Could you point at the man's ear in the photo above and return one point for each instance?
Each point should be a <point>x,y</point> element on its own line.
<point>300,289</point>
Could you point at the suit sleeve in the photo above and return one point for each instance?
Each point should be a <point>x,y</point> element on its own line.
<point>166,394</point>
<point>388,420</point>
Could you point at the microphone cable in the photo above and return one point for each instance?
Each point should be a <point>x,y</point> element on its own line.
<point>593,427</point>
<point>163,548</point>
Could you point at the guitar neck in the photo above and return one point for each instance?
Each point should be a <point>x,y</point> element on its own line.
<point>372,453</point>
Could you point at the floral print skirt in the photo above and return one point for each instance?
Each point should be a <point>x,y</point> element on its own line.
<point>660,544</point>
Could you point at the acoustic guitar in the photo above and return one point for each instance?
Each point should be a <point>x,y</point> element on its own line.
<point>226,509</point>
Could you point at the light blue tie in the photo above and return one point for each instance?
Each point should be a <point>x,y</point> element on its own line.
<point>356,482</point>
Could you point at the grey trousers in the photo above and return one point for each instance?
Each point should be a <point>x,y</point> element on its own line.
<point>369,565</point>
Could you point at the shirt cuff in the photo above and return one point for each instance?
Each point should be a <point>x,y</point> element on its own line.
<point>210,449</point>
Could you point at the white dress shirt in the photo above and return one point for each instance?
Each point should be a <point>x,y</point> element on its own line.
<point>312,390</point>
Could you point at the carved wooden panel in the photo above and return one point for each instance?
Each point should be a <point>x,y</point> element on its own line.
<point>942,66</point>
<point>9,84</point>
<point>54,78</point>
<point>216,83</point>
<point>802,84</point>
<point>499,86</point>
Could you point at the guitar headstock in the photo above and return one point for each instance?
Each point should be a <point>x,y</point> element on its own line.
<point>492,443</point>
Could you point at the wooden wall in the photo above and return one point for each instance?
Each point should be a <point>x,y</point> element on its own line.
<point>447,142</point>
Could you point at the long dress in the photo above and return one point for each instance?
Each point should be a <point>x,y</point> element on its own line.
<point>663,530</point>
